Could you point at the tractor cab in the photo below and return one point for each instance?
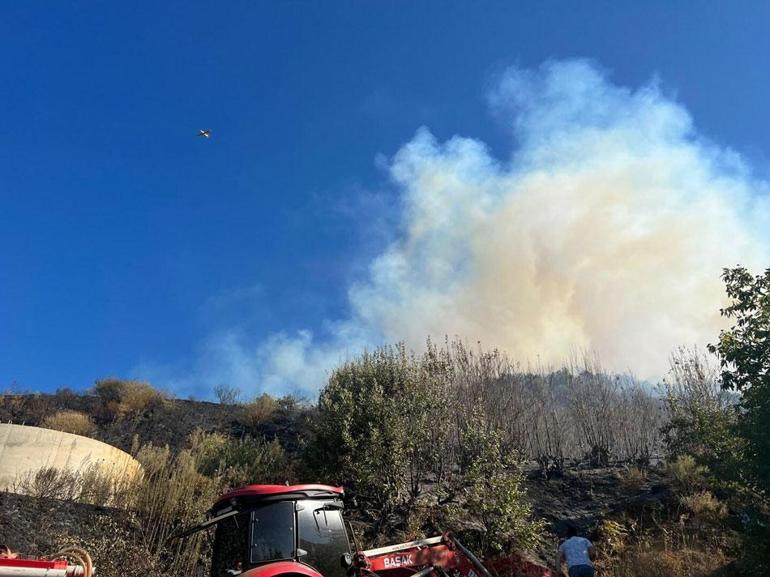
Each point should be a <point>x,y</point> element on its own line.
<point>278,529</point>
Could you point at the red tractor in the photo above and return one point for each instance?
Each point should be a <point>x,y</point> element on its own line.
<point>299,531</point>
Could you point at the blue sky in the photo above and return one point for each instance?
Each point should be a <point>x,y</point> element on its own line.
<point>131,247</point>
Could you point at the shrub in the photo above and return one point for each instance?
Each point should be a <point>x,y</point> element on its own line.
<point>65,397</point>
<point>138,397</point>
<point>705,506</point>
<point>614,536</point>
<point>288,403</point>
<point>109,391</point>
<point>685,474</point>
<point>49,483</point>
<point>260,410</point>
<point>123,398</point>
<point>238,462</point>
<point>70,422</point>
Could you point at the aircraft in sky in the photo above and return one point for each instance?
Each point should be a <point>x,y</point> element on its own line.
<point>205,133</point>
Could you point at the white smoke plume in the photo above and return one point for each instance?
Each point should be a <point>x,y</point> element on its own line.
<point>606,230</point>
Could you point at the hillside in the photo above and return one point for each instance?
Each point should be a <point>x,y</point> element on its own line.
<point>634,514</point>
<point>169,422</point>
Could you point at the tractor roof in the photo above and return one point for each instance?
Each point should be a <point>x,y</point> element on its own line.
<point>259,492</point>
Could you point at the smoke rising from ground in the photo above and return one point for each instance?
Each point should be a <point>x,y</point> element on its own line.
<point>605,230</point>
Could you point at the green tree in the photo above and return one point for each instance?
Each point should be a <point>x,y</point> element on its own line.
<point>359,436</point>
<point>392,428</point>
<point>702,417</point>
<point>492,483</point>
<point>385,424</point>
<point>427,412</point>
<point>744,353</point>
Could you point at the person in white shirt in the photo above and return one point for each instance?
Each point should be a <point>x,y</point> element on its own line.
<point>578,554</point>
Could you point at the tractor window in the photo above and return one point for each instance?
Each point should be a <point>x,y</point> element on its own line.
<point>322,535</point>
<point>272,532</point>
<point>231,546</point>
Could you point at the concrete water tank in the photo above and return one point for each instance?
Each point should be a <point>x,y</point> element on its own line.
<point>26,450</point>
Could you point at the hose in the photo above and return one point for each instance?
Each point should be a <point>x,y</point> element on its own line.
<point>6,553</point>
<point>80,556</point>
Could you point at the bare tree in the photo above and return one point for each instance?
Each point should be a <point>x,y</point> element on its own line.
<point>227,394</point>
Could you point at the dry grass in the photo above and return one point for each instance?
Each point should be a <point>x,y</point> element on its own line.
<point>172,495</point>
<point>649,562</point>
<point>92,483</point>
<point>70,422</point>
<point>632,480</point>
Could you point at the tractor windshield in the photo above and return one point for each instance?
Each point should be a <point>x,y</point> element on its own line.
<point>322,536</point>
<point>254,537</point>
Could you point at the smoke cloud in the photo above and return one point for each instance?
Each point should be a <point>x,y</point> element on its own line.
<point>605,230</point>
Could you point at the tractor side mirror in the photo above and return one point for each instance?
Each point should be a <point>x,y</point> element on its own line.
<point>346,560</point>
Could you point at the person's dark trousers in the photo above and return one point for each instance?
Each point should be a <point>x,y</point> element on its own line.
<point>581,571</point>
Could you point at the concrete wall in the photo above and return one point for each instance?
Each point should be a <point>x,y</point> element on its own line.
<point>25,450</point>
